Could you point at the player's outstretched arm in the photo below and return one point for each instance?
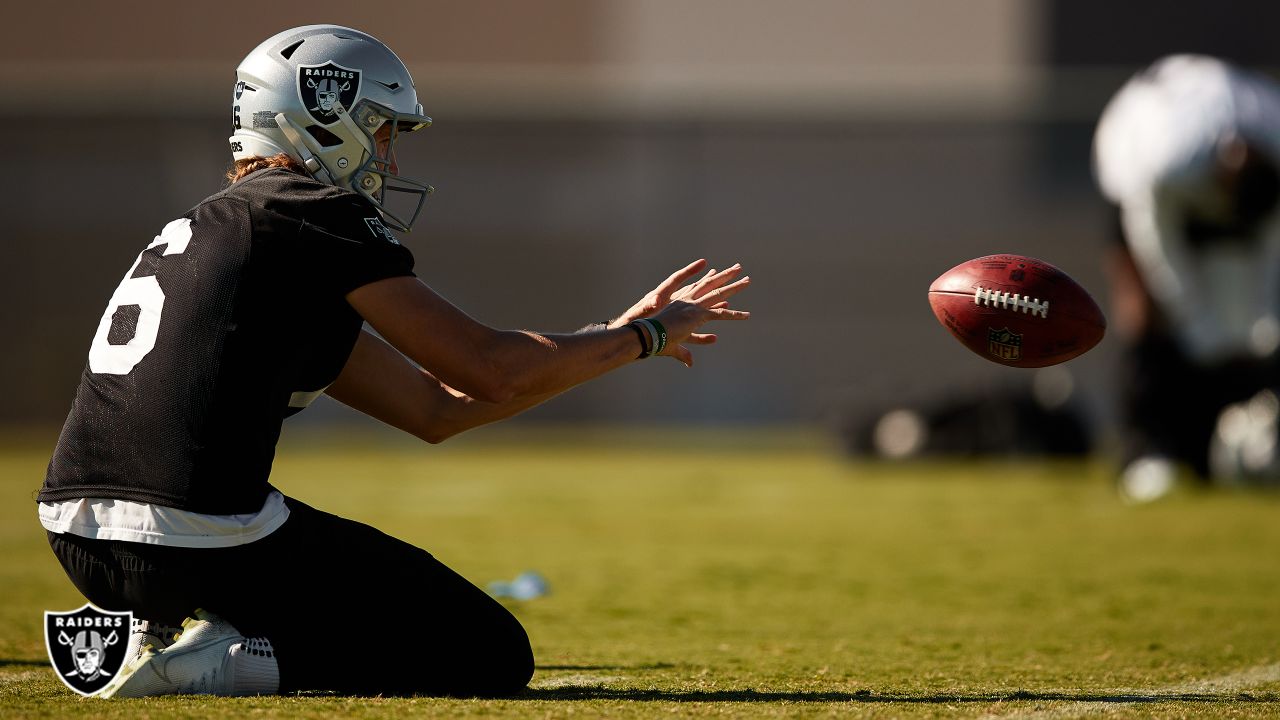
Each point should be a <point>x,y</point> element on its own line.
<point>380,382</point>
<point>504,365</point>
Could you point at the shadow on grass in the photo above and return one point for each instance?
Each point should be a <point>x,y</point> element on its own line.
<point>646,666</point>
<point>595,692</point>
<point>866,696</point>
<point>9,662</point>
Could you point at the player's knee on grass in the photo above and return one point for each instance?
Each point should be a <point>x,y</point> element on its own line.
<point>480,651</point>
<point>516,671</point>
<point>498,663</point>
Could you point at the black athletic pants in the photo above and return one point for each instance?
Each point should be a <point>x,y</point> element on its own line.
<point>348,608</point>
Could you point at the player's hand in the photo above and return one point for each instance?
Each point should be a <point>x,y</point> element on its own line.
<point>671,289</point>
<point>661,295</point>
<point>685,310</point>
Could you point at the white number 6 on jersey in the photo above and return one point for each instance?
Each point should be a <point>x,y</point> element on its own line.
<point>145,292</point>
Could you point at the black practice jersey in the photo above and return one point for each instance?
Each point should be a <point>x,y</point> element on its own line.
<point>233,318</point>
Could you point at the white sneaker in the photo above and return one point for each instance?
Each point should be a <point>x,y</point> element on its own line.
<point>210,657</point>
<point>146,633</point>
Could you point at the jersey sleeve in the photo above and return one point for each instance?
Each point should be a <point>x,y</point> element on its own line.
<point>346,245</point>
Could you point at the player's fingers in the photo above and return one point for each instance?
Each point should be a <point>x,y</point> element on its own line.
<point>722,304</point>
<point>682,276</point>
<point>727,314</point>
<point>712,279</point>
<point>682,354</point>
<point>715,280</point>
<point>719,295</point>
<point>701,338</point>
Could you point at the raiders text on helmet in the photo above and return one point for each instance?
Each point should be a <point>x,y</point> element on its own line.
<point>319,93</point>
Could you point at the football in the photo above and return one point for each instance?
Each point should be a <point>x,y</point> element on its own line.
<point>1017,311</point>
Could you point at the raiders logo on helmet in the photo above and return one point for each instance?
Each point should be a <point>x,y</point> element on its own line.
<point>86,646</point>
<point>321,87</point>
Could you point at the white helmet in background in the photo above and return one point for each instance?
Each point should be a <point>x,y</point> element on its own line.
<point>1188,150</point>
<point>319,93</point>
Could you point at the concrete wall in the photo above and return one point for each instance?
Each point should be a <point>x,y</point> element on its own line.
<point>846,152</point>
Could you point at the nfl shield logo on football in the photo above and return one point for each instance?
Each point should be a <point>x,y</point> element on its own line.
<point>1004,344</point>
<point>87,646</point>
<point>322,87</point>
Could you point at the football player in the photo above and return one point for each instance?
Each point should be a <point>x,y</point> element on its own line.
<point>242,312</point>
<point>1187,152</point>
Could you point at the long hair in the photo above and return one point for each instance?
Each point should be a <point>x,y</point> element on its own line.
<point>244,167</point>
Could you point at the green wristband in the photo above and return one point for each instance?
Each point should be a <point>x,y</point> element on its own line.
<point>660,341</point>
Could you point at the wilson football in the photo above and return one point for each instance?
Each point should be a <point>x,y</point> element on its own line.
<point>1017,311</point>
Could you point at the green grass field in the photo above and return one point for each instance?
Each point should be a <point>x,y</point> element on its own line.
<point>768,579</point>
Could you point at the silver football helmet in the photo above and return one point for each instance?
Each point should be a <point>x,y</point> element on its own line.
<point>320,93</point>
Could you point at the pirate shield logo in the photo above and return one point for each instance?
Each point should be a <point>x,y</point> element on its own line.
<point>321,87</point>
<point>86,646</point>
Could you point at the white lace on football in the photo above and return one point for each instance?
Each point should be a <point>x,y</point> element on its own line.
<point>1011,301</point>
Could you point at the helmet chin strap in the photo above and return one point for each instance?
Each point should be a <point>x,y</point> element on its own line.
<point>294,136</point>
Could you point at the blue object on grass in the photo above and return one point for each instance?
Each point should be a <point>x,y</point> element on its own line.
<point>527,586</point>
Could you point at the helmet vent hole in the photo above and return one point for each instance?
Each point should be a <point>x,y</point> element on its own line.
<point>324,137</point>
<point>288,52</point>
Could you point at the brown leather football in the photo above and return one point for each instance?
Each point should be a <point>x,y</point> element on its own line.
<point>1017,311</point>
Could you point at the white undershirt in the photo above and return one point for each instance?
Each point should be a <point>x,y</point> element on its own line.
<point>107,519</point>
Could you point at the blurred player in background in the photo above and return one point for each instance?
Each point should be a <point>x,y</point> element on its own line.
<point>242,312</point>
<point>1187,153</point>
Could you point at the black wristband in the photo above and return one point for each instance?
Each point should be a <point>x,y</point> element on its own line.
<point>644,340</point>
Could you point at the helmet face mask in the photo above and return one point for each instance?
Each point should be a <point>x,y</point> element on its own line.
<point>375,176</point>
<point>319,94</point>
